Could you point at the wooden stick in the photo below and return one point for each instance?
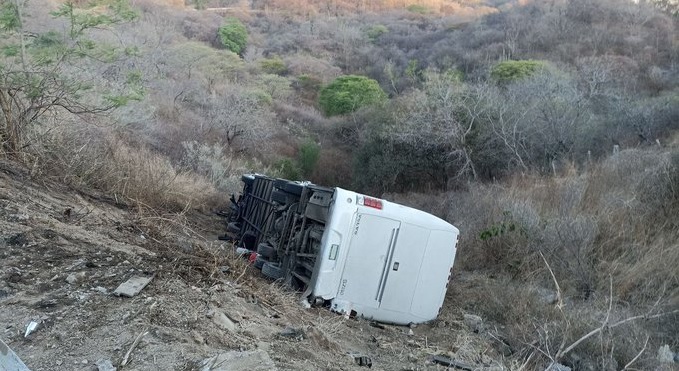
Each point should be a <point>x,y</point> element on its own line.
<point>136,341</point>
<point>559,300</point>
<point>638,355</point>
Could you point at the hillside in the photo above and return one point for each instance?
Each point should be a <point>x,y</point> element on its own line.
<point>63,253</point>
<point>545,130</point>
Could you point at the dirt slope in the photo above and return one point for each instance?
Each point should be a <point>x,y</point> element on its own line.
<point>63,253</point>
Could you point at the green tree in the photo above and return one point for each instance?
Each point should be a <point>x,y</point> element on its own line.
<point>348,93</point>
<point>303,166</point>
<point>307,158</point>
<point>508,71</point>
<point>287,169</point>
<point>233,36</point>
<point>38,71</point>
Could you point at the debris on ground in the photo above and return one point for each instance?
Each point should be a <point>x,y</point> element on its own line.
<point>665,354</point>
<point>30,328</point>
<point>474,322</point>
<point>100,289</point>
<point>377,325</point>
<point>293,333</point>
<point>136,341</point>
<point>105,365</point>
<point>362,360</point>
<point>257,360</point>
<point>449,362</point>
<point>223,321</point>
<point>75,278</point>
<point>133,286</point>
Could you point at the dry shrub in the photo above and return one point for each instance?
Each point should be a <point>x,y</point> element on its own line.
<point>90,156</point>
<point>523,325</point>
<point>305,116</point>
<point>148,178</point>
<point>332,168</point>
<point>617,218</point>
<point>616,223</point>
<point>302,64</point>
<point>201,26</point>
<point>222,170</point>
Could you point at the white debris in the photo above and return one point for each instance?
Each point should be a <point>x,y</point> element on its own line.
<point>100,289</point>
<point>105,365</point>
<point>74,278</point>
<point>223,321</point>
<point>665,355</point>
<point>32,326</point>
<point>133,286</point>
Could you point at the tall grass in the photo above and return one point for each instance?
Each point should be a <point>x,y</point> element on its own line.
<point>610,235</point>
<point>87,156</point>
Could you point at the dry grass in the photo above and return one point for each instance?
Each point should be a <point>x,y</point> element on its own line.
<point>86,156</point>
<point>615,223</point>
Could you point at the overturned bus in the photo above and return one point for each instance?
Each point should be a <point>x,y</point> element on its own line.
<point>358,255</point>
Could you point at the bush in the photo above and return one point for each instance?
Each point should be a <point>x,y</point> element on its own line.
<point>348,93</point>
<point>376,31</point>
<point>307,158</point>
<point>508,71</point>
<point>307,87</point>
<point>614,224</point>
<point>233,36</point>
<point>287,169</point>
<point>275,66</point>
<point>417,8</point>
<point>303,166</point>
<point>85,157</point>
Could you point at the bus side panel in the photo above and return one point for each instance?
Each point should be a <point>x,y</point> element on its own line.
<point>404,268</point>
<point>367,259</point>
<point>433,279</point>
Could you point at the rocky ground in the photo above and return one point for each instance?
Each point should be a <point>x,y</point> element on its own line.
<point>63,253</point>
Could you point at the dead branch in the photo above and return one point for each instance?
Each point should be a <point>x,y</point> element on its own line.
<point>619,323</point>
<point>559,299</point>
<point>638,355</point>
<point>136,341</point>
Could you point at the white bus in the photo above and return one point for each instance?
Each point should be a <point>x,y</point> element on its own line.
<point>357,255</point>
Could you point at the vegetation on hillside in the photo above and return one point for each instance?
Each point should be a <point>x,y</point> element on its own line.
<point>545,130</point>
<point>347,94</point>
<point>233,35</point>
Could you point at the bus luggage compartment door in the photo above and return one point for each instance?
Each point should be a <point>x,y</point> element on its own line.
<point>366,268</point>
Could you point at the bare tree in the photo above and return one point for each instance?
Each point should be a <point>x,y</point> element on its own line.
<point>233,117</point>
<point>441,115</point>
<point>43,73</point>
<point>538,119</point>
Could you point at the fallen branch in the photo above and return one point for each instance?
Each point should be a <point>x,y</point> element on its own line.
<point>638,355</point>
<point>136,341</point>
<point>242,274</point>
<point>559,303</point>
<point>619,323</point>
<point>559,300</point>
